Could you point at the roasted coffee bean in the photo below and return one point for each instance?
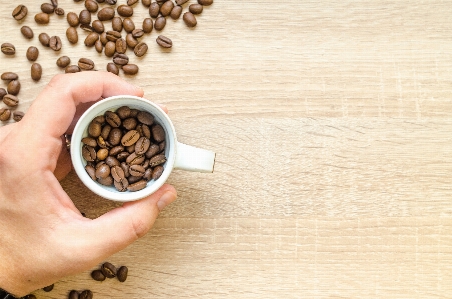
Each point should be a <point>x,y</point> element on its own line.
<point>111,2</point>
<point>73,294</point>
<point>112,68</point>
<point>117,173</point>
<point>130,138</point>
<point>100,119</point>
<point>86,294</point>
<point>55,43</point>
<point>147,174</point>
<point>87,28</point>
<point>94,129</point>
<point>85,64</point>
<point>112,161</point>
<point>162,146</point>
<point>121,185</point>
<point>130,69</point>
<point>148,25</point>
<point>106,14</point>
<point>146,2</point>
<point>144,130</point>
<point>140,49</point>
<point>122,273</point>
<point>102,171</point>
<point>20,12</point>
<point>84,17</point>
<point>116,150</point>
<point>115,136</point>
<point>72,19</point>
<point>59,11</point>
<point>5,114</point>
<point>98,46</point>
<point>72,69</point>
<point>129,123</point>
<point>157,160</point>
<point>122,156</point>
<point>2,93</point>
<point>128,25</point>
<point>106,129</point>
<point>108,269</point>
<point>48,288</point>
<point>89,141</point>
<point>166,8</point>
<point>123,112</point>
<point>176,12</point>
<point>116,24</point>
<point>154,10</point>
<point>63,61</point>
<point>189,19</point>
<point>205,2</point>
<point>164,42</point>
<point>102,154</point>
<point>110,49</point>
<point>36,71</point>
<point>91,6</point>
<point>88,153</point>
<point>120,59</point>
<point>152,151</point>
<point>54,3</point>
<point>103,38</point>
<point>10,100</point>
<point>44,39</point>
<point>121,45</point>
<point>125,10</point>
<point>18,115</point>
<point>8,49</point>
<point>42,18</point>
<point>113,35</point>
<point>108,181</point>
<point>145,118</point>
<point>13,87</point>
<point>131,41</point>
<point>180,2</point>
<point>91,39</point>
<point>142,145</point>
<point>134,159</point>
<point>131,2</point>
<point>157,172</point>
<point>125,168</point>
<point>195,9</point>
<point>98,26</point>
<point>112,119</point>
<point>160,2</point>
<point>47,8</point>
<point>160,23</point>
<point>137,170</point>
<point>8,76</point>
<point>158,133</point>
<point>133,179</point>
<point>137,186</point>
<point>137,33</point>
<point>72,35</point>
<point>97,275</point>
<point>27,32</point>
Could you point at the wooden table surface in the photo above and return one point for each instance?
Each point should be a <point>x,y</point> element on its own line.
<point>332,125</point>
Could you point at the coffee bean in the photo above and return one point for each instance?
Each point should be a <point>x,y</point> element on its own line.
<point>157,160</point>
<point>130,138</point>
<point>18,115</point>
<point>164,42</point>
<point>112,119</point>
<point>140,49</point>
<point>55,43</point>
<point>94,129</point>
<point>86,27</point>
<point>108,181</point>
<point>88,153</point>
<point>106,14</point>
<point>122,273</point>
<point>142,145</point>
<point>130,69</point>
<point>115,136</point>
<point>144,130</point>
<point>112,68</point>
<point>111,2</point>
<point>133,179</point>
<point>8,49</point>
<point>176,12</point>
<point>117,173</point>
<point>129,123</point>
<point>42,18</point>
<point>125,10</point>
<point>205,2</point>
<point>91,39</point>
<point>120,59</point>
<point>44,39</point>
<point>85,64</point>
<point>36,71</point>
<point>47,8</point>
<point>27,32</point>
<point>48,288</point>
<point>108,270</point>
<point>154,10</point>
<point>72,69</point>
<point>189,19</point>
<point>98,46</point>
<point>152,151</point>
<point>131,41</point>
<point>102,170</point>
<point>137,33</point>
<point>72,19</point>
<point>89,141</point>
<point>112,161</point>
<point>72,35</point>
<point>160,23</point>
<point>10,100</point>
<point>91,6</point>
<point>84,17</point>
<point>97,275</point>
<point>20,12</point>
<point>110,49</point>
<point>166,8</point>
<point>121,45</point>
<point>131,2</point>
<point>122,156</point>
<point>137,186</point>
<point>146,2</point>
<point>63,61</point>
<point>128,25</point>
<point>100,119</point>
<point>121,185</point>
<point>116,150</point>
<point>113,35</point>
<point>116,24</point>
<point>103,38</point>
<point>148,25</point>
<point>180,2</point>
<point>8,76</point>
<point>98,26</point>
<point>123,112</point>
<point>5,114</point>
<point>59,11</point>
<point>86,294</point>
<point>101,142</point>
<point>195,9</point>
<point>13,87</point>
<point>145,118</point>
<point>158,133</point>
<point>2,93</point>
<point>73,294</point>
<point>157,172</point>
<point>32,53</point>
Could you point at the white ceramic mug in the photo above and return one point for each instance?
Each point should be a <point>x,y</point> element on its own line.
<point>179,155</point>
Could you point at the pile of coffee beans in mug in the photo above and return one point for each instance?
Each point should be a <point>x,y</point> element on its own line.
<point>125,149</point>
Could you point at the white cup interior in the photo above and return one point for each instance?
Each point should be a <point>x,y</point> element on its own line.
<point>112,104</point>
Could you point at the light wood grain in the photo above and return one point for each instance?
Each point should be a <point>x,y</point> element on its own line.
<point>332,125</point>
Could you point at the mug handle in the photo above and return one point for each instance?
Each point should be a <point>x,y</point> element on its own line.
<point>193,158</point>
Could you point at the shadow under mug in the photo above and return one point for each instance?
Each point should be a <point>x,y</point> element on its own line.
<point>179,155</point>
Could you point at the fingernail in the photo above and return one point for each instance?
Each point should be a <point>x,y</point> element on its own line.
<point>167,198</point>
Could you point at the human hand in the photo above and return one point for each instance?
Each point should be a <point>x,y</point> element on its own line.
<point>43,236</point>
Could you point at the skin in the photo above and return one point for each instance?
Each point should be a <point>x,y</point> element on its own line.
<point>39,224</point>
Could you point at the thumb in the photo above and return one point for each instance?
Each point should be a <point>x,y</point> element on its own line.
<point>121,226</point>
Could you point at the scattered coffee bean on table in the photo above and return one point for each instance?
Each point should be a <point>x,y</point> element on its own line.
<point>10,100</point>
<point>112,68</point>
<point>2,93</point>
<point>72,35</point>
<point>122,273</point>
<point>8,76</point>
<point>164,42</point>
<point>160,23</point>
<point>176,12</point>
<point>32,53</point>
<point>44,39</point>
<point>20,12</point>
<point>72,19</point>
<point>98,275</point>
<point>73,295</point>
<point>86,294</point>
<point>195,9</point>
<point>13,87</point>
<point>18,115</point>
<point>130,69</point>
<point>5,114</point>
<point>205,2</point>
<point>36,71</point>
<point>48,288</point>
<point>8,49</point>
<point>72,69</point>
<point>27,32</point>
<point>59,11</point>
<point>189,19</point>
<point>55,43</point>
<point>108,269</point>
<point>63,61</point>
<point>42,18</point>
<point>47,8</point>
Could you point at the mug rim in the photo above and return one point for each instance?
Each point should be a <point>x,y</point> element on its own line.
<point>98,108</point>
